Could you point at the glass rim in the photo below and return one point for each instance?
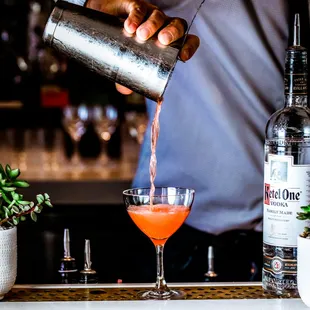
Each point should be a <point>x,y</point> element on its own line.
<point>126,192</point>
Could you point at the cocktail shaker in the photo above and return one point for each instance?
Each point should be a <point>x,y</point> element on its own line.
<point>99,41</point>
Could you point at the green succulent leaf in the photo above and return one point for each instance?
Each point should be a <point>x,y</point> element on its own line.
<point>38,209</point>
<point>15,196</point>
<point>306,208</point>
<point>9,189</point>
<point>47,197</point>
<point>40,198</point>
<point>23,202</point>
<point>15,209</point>
<point>3,195</point>
<point>6,212</point>
<point>21,183</point>
<point>14,173</point>
<point>2,172</point>
<point>15,220</point>
<point>48,203</point>
<point>8,169</point>
<point>23,218</point>
<point>33,216</point>
<point>301,217</point>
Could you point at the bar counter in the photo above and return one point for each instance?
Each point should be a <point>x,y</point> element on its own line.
<point>124,296</point>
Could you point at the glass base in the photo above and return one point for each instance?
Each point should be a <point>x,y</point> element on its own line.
<point>162,295</point>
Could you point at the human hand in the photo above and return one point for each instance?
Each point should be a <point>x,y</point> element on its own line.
<point>146,20</point>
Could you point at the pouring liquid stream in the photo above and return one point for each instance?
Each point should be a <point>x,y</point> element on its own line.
<point>154,137</point>
<point>156,126</point>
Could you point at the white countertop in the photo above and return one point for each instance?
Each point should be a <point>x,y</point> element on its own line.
<point>259,304</point>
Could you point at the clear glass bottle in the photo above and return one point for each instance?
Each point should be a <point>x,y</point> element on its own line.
<point>286,175</point>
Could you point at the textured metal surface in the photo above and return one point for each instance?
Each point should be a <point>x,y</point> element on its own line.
<point>98,41</point>
<point>130,293</point>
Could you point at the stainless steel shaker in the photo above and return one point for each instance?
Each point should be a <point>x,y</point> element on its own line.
<point>100,42</point>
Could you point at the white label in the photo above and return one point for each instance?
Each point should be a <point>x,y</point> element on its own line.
<point>287,188</point>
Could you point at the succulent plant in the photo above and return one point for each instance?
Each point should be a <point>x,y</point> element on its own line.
<point>13,208</point>
<point>303,216</point>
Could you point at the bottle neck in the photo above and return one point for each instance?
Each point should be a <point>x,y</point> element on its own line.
<point>296,77</point>
<point>298,101</point>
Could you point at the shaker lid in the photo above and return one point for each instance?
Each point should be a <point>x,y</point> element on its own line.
<point>51,25</point>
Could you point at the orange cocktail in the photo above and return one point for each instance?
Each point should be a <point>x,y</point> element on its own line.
<point>159,212</point>
<point>158,222</point>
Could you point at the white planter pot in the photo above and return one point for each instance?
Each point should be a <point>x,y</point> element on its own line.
<point>303,269</point>
<point>8,260</point>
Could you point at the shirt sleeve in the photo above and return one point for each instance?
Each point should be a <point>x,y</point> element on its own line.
<point>78,2</point>
<point>165,4</point>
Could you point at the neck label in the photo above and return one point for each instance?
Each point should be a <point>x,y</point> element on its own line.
<point>296,84</point>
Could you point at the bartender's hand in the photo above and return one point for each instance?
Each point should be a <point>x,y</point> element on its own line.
<point>146,19</point>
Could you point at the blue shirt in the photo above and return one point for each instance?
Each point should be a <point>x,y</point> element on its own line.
<point>216,108</point>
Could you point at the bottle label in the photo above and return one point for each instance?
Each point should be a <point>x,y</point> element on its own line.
<point>278,265</point>
<point>296,84</point>
<point>287,188</point>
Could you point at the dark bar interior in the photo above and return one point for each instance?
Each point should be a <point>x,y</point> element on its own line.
<point>227,196</point>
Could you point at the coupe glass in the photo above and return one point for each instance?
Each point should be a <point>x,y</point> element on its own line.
<point>137,124</point>
<point>105,120</point>
<point>74,122</point>
<point>159,217</point>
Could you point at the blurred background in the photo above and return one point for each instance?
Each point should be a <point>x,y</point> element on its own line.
<point>76,138</point>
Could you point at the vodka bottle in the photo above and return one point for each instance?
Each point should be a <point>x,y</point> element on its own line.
<point>286,175</point>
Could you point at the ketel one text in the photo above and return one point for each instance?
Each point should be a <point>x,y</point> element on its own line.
<point>280,194</point>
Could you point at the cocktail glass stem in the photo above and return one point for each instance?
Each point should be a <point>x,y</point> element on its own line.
<point>75,156</point>
<point>161,284</point>
<point>76,162</point>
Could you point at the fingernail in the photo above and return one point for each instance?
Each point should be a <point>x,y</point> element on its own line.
<point>132,27</point>
<point>144,33</point>
<point>186,54</point>
<point>166,38</point>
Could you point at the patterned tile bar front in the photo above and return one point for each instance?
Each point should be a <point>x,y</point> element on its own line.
<point>20,294</point>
